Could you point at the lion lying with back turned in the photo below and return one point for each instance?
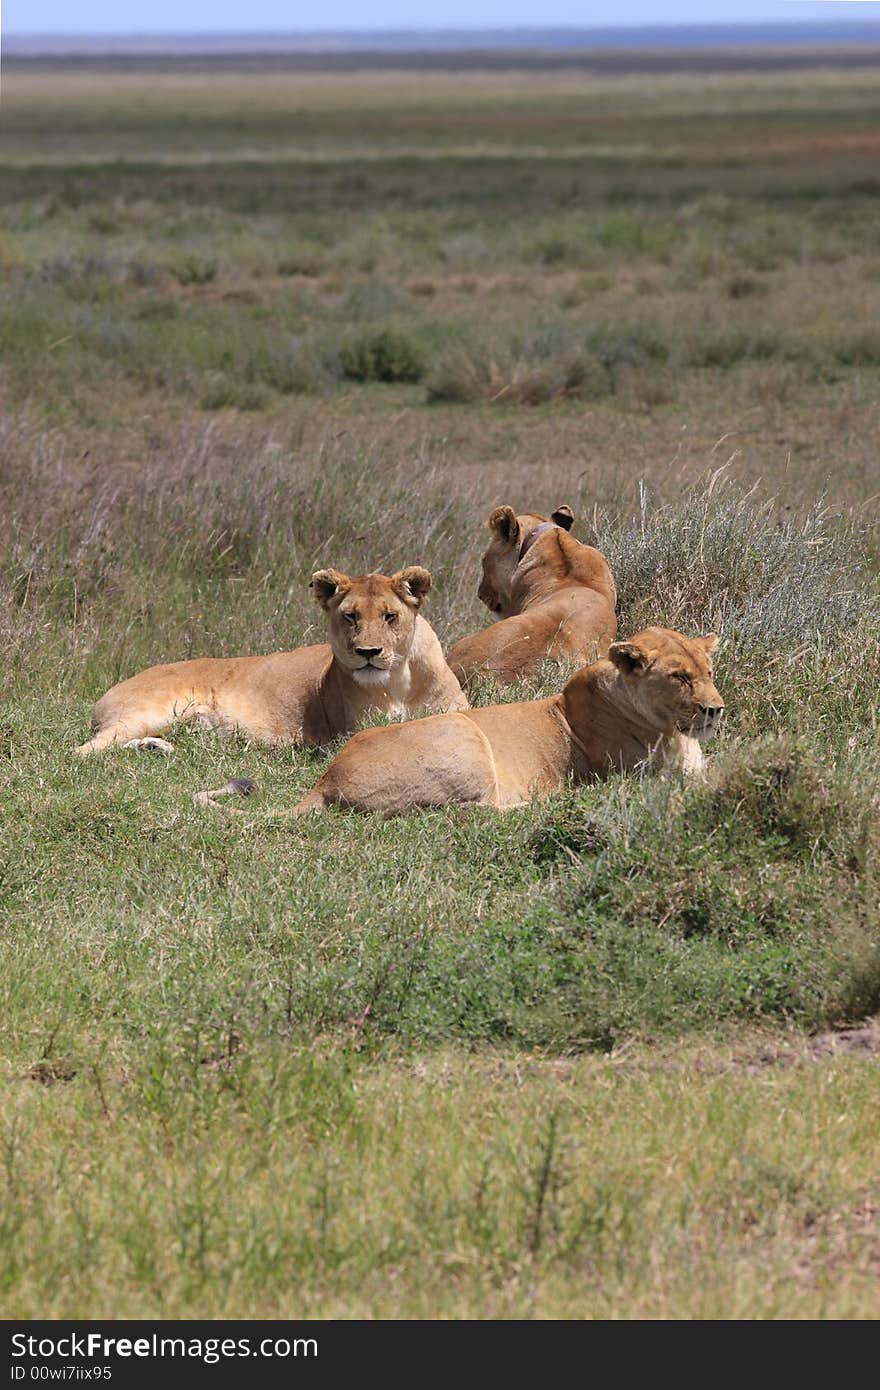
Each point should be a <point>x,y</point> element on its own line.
<point>554,598</point>
<point>652,702</point>
<point>382,657</point>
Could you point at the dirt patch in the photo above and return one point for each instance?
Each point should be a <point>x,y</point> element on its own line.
<point>861,1041</point>
<point>50,1073</point>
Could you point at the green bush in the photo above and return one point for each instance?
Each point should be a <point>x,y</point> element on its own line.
<point>385,354</point>
<point>195,270</point>
<point>293,365</point>
<point>220,393</point>
<point>305,260</point>
<point>734,345</point>
<point>372,299</point>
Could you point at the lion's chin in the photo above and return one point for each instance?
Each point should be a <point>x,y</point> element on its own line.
<point>371,675</point>
<point>703,732</point>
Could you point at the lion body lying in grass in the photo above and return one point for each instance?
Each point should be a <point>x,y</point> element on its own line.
<point>382,657</point>
<point>652,702</point>
<point>555,598</point>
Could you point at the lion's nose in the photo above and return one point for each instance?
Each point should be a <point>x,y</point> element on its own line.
<point>712,711</point>
<point>368,651</point>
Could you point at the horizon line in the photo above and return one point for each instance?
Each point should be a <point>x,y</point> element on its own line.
<point>463,28</point>
<point>451,29</point>
<point>561,43</point>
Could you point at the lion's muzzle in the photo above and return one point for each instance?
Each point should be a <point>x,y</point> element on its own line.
<point>707,721</point>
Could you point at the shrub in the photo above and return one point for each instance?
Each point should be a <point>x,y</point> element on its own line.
<point>460,375</point>
<point>295,365</point>
<point>385,354</point>
<point>89,278</point>
<point>531,376</point>
<point>144,273</point>
<point>557,361</point>
<point>302,260</point>
<point>195,270</point>
<point>861,348</point>
<point>733,345</point>
<point>553,250</point>
<point>742,286</point>
<point>220,393</point>
<point>373,299</point>
<point>157,310</point>
<point>630,345</point>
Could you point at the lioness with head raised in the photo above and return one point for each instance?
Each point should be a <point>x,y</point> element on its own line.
<point>652,702</point>
<point>382,657</point>
<point>554,596</point>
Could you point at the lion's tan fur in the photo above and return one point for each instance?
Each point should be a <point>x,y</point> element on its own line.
<point>310,695</point>
<point>556,598</point>
<point>651,703</point>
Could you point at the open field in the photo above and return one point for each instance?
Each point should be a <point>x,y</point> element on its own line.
<point>557,1063</point>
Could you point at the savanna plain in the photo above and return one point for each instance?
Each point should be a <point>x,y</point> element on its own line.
<point>607,1056</point>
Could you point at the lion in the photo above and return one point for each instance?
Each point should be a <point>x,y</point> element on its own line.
<point>383,656</point>
<point>651,703</point>
<point>554,596</point>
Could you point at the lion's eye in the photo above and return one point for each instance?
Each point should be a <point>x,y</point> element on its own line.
<point>683,677</point>
<point>350,617</point>
<point>391,617</point>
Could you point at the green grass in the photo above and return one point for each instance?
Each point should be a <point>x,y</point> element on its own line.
<point>313,1183</point>
<point>457,1063</point>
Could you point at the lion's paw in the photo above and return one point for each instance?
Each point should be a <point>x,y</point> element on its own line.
<point>151,745</point>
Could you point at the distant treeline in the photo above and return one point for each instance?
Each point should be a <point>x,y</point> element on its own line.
<point>618,61</point>
<point>409,41</point>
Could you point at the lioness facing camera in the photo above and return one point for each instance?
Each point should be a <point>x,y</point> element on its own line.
<point>653,701</point>
<point>555,598</point>
<point>382,656</point>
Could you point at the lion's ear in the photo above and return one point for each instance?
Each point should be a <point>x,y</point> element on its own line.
<point>563,516</point>
<point>412,584</point>
<point>627,656</point>
<point>710,641</point>
<point>328,585</point>
<point>504,523</point>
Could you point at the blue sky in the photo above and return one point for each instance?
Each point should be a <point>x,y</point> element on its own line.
<point>194,16</point>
